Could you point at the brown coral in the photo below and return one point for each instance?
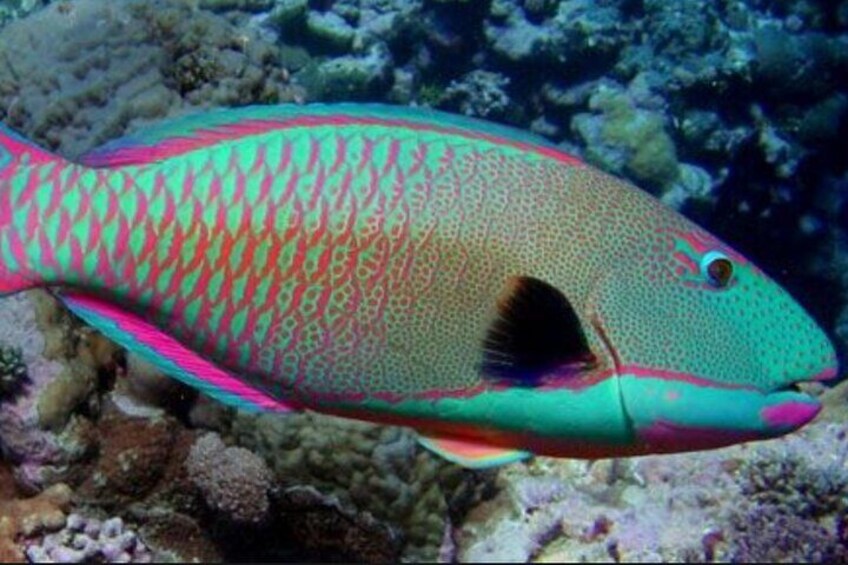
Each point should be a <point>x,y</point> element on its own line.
<point>21,518</point>
<point>138,457</point>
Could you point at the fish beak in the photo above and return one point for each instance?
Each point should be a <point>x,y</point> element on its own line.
<point>671,414</point>
<point>789,408</point>
<point>786,411</point>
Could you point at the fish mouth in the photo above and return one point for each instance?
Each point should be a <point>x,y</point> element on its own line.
<point>787,410</point>
<point>746,412</point>
<point>790,407</point>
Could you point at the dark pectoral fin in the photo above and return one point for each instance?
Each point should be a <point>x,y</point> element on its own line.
<point>536,332</point>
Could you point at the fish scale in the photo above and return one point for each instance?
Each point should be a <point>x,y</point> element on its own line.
<point>226,267</point>
<point>416,268</point>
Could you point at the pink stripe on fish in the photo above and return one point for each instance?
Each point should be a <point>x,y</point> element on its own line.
<point>420,157</point>
<point>702,243</point>
<point>314,154</point>
<point>64,227</point>
<point>55,192</point>
<point>113,206</point>
<point>265,186</point>
<point>47,258</point>
<point>790,414</point>
<point>285,159</point>
<point>205,137</point>
<point>344,191</point>
<point>77,256</point>
<point>649,373</point>
<point>259,159</point>
<point>367,155</point>
<point>392,158</point>
<point>665,436</point>
<point>33,183</point>
<point>686,261</point>
<point>33,221</point>
<point>28,154</point>
<point>341,155</point>
<point>150,336</point>
<point>17,248</point>
<point>572,379</point>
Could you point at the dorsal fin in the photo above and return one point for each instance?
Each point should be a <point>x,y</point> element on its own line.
<point>536,332</point>
<point>180,135</point>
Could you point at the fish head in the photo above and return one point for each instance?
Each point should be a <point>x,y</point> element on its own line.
<point>707,349</point>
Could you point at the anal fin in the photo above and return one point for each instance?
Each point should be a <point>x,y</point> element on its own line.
<point>472,454</point>
<point>169,355</point>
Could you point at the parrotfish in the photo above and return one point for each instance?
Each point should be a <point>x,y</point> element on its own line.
<point>414,268</point>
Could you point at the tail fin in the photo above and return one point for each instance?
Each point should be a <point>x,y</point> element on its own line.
<point>17,157</point>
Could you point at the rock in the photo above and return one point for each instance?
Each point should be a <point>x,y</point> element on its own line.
<point>39,427</point>
<point>329,31</point>
<point>479,93</point>
<point>695,185</point>
<point>355,77</point>
<point>628,140</point>
<point>29,517</point>
<point>85,539</point>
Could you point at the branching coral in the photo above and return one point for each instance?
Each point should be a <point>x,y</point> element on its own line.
<point>87,540</point>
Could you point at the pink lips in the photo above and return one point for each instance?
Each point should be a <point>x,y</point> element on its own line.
<point>826,375</point>
<point>790,415</point>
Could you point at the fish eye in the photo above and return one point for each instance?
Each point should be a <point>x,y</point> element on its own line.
<point>717,268</point>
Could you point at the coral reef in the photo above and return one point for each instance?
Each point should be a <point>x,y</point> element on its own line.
<point>28,517</point>
<point>354,77</point>
<point>766,534</point>
<point>86,540</point>
<point>108,67</point>
<point>140,475</point>
<point>13,9</point>
<point>326,527</point>
<point>234,481</point>
<point>479,93</point>
<point>628,140</point>
<point>134,455</point>
<point>743,503</point>
<point>43,429</point>
<point>386,474</point>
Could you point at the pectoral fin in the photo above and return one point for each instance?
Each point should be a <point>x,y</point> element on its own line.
<point>536,332</point>
<point>472,454</point>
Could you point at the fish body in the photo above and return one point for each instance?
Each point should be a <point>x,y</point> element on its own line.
<point>415,268</point>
